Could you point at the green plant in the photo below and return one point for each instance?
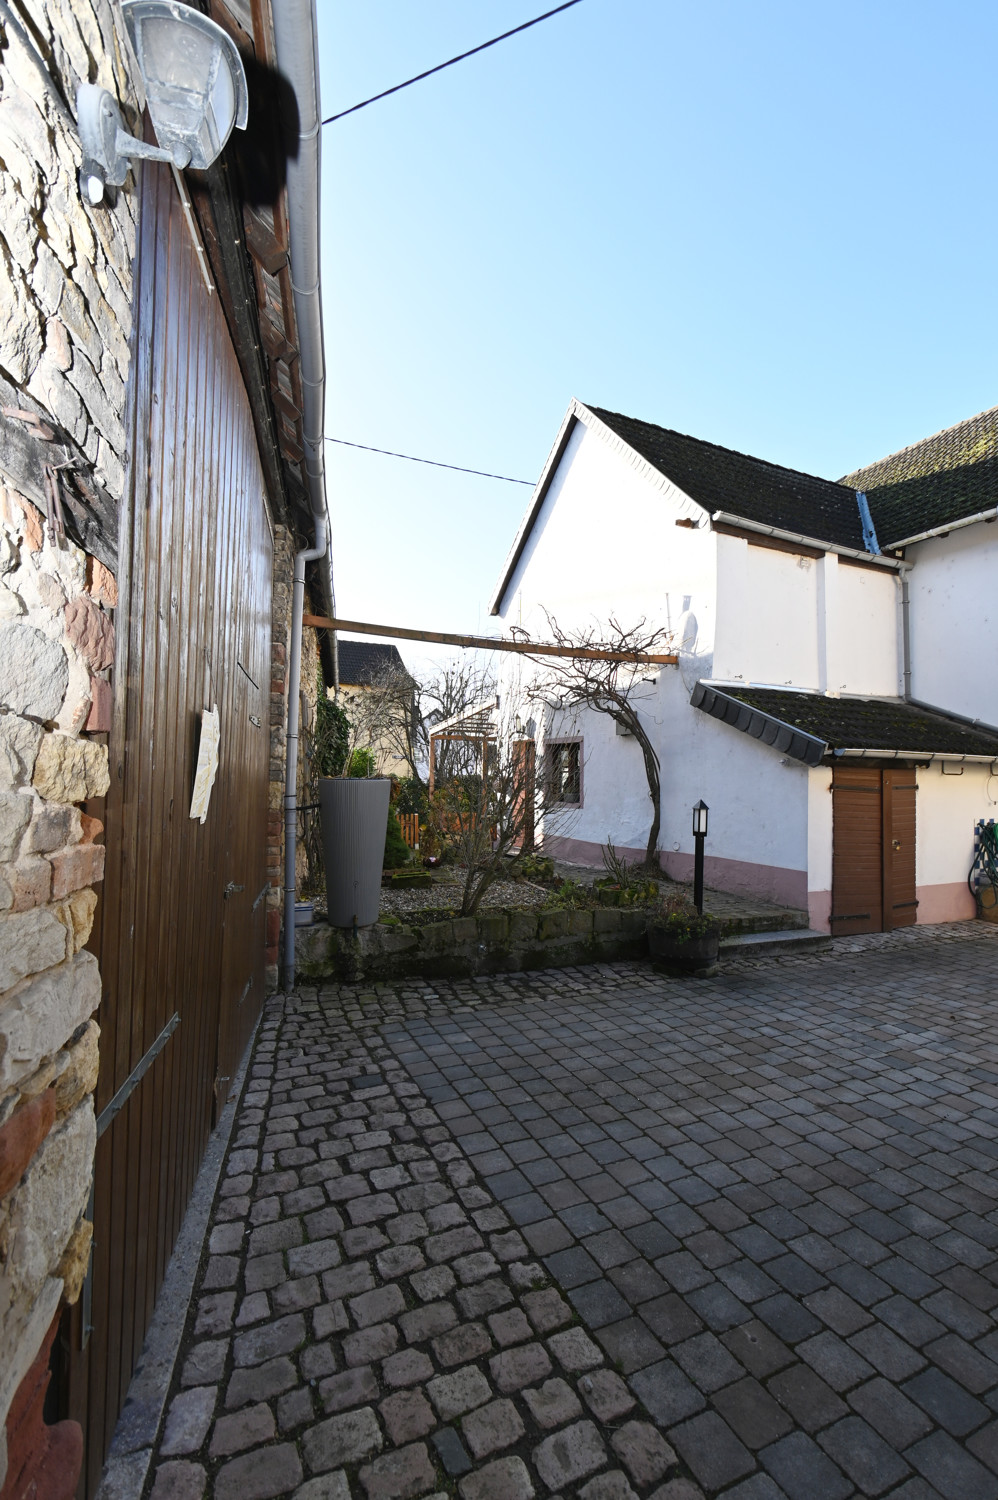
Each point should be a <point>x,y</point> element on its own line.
<point>396,849</point>
<point>331,737</point>
<point>570,895</point>
<point>679,919</point>
<point>362,763</point>
<point>530,866</point>
<point>617,868</point>
<point>411,797</point>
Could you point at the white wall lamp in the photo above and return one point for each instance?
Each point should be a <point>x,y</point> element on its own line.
<point>195,90</point>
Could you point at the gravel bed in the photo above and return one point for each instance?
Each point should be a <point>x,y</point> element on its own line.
<point>446,896</point>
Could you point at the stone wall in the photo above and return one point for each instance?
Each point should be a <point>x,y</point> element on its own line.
<point>494,942</point>
<point>65,322</point>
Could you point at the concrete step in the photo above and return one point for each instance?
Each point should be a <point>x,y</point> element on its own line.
<point>793,940</point>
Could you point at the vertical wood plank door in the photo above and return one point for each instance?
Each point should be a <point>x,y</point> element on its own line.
<point>179,933</point>
<point>873,849</point>
<point>900,902</point>
<point>857,847</point>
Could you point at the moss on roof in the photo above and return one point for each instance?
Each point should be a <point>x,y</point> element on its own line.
<point>870,723</point>
<point>942,479</point>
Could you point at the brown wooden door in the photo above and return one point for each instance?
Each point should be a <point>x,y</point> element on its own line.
<point>193,629</point>
<point>873,849</point>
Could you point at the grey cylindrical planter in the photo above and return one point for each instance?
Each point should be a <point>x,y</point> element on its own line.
<point>354,814</point>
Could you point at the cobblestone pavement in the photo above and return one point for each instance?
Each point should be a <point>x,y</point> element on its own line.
<point>598,1233</point>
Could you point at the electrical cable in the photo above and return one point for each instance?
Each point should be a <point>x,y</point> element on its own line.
<point>449,63</point>
<point>433,462</point>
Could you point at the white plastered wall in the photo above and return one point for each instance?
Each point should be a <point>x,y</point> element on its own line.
<point>803,622</point>
<point>954,621</point>
<point>947,807</point>
<point>819,847</point>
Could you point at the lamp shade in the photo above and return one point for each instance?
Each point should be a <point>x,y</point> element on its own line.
<point>700,811</point>
<point>194,78</point>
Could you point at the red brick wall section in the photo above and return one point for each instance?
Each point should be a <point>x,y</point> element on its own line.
<point>43,1463</point>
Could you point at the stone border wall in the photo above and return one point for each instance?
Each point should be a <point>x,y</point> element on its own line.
<point>495,942</point>
<point>65,322</point>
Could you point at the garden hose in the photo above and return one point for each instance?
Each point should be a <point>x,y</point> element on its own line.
<point>983,877</point>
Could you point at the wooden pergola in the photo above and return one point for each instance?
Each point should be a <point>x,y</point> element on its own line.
<point>475,724</point>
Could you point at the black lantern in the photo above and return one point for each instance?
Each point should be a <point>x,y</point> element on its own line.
<point>700,811</point>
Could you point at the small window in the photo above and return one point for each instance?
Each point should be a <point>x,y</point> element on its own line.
<point>566,780</point>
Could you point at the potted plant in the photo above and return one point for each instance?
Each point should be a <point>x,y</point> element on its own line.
<point>684,939</point>
<point>353,812</point>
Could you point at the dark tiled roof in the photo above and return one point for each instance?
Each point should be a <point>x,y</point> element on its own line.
<point>721,479</point>
<point>942,479</point>
<point>361,661</point>
<point>843,723</point>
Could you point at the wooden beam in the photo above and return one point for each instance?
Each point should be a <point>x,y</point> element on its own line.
<point>490,643</point>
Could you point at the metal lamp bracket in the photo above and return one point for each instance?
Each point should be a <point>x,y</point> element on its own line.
<point>108,149</point>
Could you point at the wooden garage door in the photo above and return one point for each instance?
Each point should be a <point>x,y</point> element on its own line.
<point>873,849</point>
<point>180,933</point>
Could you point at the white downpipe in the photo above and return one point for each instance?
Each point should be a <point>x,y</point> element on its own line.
<point>295,41</point>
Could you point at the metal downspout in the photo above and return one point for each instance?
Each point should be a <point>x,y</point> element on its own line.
<point>906,634</point>
<point>295,42</point>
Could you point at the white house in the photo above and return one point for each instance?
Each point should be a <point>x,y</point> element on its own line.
<point>837,683</point>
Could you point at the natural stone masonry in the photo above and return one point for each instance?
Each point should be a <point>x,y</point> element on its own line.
<point>65,321</point>
<point>464,1226</point>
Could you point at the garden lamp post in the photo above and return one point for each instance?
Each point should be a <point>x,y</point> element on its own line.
<point>700,811</point>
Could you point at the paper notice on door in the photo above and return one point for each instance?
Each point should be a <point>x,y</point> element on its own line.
<point>207,767</point>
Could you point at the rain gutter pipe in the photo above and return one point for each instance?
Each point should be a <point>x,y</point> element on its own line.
<point>297,58</point>
<point>923,536</point>
<point>877,559</point>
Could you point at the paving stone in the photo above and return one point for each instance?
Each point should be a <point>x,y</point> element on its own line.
<point>243,1429</point>
<point>329,1317</point>
<point>461,1391</point>
<point>324,1487</point>
<point>370,1343</point>
<point>492,1427</point>
<point>546,1309</point>
<point>377,1306</point>
<point>574,1350</point>
<point>179,1480</point>
<point>206,1362</point>
<point>280,1337</point>
<point>293,1296</point>
<point>354,1387</point>
<point>712,1451</point>
<point>606,1395</point>
<point>451,1451</point>
<point>407,1415</point>
<point>945,1401</point>
<point>510,1327</point>
<point>751,1413</point>
<point>400,1475</point>
<point>666,1392</point>
<point>523,1365</point>
<point>469,1341</point>
<point>870,1463</point>
<point>886,1352</point>
<point>188,1420</point>
<point>896,1418</point>
<point>260,1475</point>
<point>570,1455</point>
<point>806,1397</point>
<point>644,1452</point>
<point>553,1404</point>
<point>832,1359</point>
<point>260,1383</point>
<point>503,1479</point>
<point>757,1348</point>
<point>343,1439</point>
<point>951,1470</point>
<point>803,1471</point>
<point>295,1409</point>
<point>474,1301</point>
<point>707,1362</point>
<point>611,1486</point>
<point>427,1322</point>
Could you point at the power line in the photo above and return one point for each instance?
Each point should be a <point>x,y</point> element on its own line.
<point>449,64</point>
<point>434,463</point>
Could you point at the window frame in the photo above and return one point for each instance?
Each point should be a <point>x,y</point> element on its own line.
<point>566,741</point>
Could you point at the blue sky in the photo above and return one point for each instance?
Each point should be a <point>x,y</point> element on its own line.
<point>770,225</point>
